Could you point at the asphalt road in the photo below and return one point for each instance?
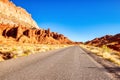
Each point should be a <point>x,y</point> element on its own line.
<point>64,64</point>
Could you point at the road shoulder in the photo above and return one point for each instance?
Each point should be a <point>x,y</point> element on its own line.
<point>111,69</point>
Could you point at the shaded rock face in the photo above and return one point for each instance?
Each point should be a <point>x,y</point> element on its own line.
<point>13,15</point>
<point>6,55</point>
<point>30,35</point>
<point>112,41</point>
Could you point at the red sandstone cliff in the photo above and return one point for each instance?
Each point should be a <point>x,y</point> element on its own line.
<point>31,35</point>
<point>16,25</point>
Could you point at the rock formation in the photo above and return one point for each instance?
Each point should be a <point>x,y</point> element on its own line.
<point>13,15</point>
<point>31,35</point>
<point>16,25</point>
<point>112,41</point>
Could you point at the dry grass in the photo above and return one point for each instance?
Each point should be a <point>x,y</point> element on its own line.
<point>104,52</point>
<point>18,50</point>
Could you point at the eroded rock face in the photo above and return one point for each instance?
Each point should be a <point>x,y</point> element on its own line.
<point>30,35</point>
<point>16,25</point>
<point>13,15</point>
<point>112,41</point>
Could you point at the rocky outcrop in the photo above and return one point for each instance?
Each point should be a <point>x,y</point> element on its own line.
<point>6,55</point>
<point>13,15</point>
<point>16,25</point>
<point>99,41</point>
<point>31,35</point>
<point>112,41</point>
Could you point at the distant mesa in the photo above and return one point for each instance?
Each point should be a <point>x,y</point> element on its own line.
<point>112,41</point>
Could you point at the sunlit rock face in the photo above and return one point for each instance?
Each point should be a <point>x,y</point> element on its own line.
<point>31,35</point>
<point>112,41</point>
<point>13,15</point>
<point>17,25</point>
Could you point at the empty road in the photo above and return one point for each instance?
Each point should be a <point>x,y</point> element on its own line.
<point>64,64</point>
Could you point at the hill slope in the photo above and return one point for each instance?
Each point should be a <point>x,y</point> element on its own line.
<point>112,41</point>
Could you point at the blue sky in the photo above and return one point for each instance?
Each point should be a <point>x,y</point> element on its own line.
<point>79,20</point>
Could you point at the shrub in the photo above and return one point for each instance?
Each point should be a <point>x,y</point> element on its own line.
<point>105,49</point>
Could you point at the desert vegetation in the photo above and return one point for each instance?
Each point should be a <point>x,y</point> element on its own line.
<point>9,51</point>
<point>105,52</point>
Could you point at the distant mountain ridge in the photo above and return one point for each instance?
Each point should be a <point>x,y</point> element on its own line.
<point>112,41</point>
